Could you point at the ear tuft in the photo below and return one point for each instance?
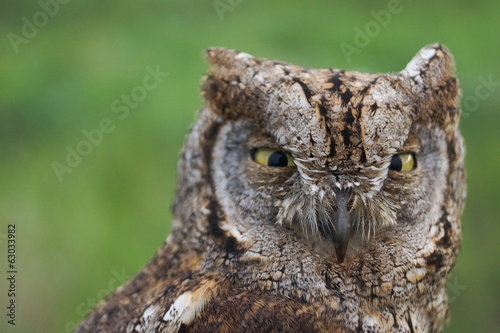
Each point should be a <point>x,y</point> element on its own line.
<point>433,72</point>
<point>431,67</point>
<point>224,89</point>
<point>226,61</point>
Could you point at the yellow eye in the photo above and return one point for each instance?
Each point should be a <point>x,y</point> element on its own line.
<point>402,162</point>
<point>272,157</point>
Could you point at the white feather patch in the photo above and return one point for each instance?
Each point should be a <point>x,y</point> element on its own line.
<point>233,231</point>
<point>147,320</point>
<point>187,305</point>
<point>428,53</point>
<point>243,55</point>
<point>415,65</point>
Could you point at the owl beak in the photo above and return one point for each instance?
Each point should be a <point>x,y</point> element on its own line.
<point>339,234</point>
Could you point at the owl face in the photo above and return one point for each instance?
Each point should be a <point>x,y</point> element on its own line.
<point>336,156</point>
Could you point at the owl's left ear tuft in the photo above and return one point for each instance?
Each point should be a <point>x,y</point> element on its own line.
<point>432,67</point>
<point>432,71</point>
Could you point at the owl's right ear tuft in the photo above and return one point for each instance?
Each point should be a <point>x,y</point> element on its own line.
<point>222,89</point>
<point>226,61</point>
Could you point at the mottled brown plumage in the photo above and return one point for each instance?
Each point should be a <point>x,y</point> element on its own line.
<point>346,237</point>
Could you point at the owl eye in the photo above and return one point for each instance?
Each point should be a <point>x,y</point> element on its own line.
<point>402,162</point>
<point>273,157</point>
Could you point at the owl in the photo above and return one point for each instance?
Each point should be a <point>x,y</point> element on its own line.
<point>308,200</point>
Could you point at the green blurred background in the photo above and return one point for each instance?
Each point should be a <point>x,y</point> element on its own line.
<point>79,238</point>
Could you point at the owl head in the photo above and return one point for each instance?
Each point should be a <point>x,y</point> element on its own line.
<point>308,200</point>
<point>336,157</point>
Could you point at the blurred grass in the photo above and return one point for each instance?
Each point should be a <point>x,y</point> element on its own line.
<point>112,212</point>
